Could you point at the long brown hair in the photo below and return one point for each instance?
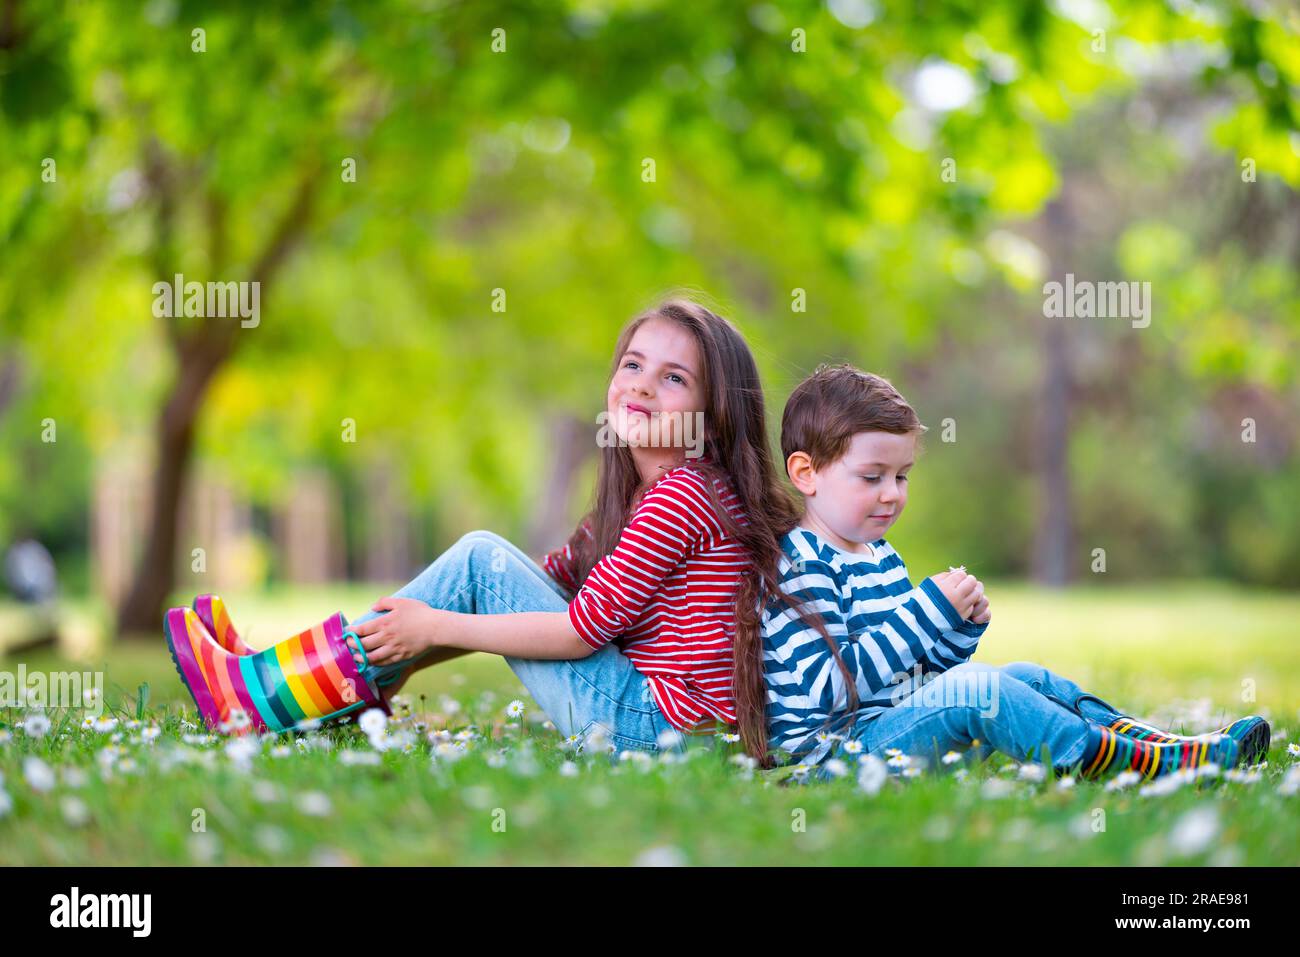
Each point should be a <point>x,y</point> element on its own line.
<point>736,442</point>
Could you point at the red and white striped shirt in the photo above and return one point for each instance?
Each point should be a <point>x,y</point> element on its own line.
<point>667,593</point>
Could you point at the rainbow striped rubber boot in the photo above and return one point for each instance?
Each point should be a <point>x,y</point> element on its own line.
<point>216,619</point>
<point>308,676</point>
<point>212,612</point>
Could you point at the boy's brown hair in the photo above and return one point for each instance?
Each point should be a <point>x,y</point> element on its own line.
<point>834,404</point>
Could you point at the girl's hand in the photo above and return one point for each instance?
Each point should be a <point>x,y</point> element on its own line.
<point>409,628</point>
<point>981,615</point>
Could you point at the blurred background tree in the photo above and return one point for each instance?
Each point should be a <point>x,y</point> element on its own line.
<point>913,173</point>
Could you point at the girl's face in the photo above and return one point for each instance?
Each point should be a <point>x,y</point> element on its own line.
<point>656,398</point>
<point>857,498</point>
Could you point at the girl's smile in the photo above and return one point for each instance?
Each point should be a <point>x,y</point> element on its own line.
<point>656,386</point>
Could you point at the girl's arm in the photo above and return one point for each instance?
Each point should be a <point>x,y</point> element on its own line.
<point>667,525</point>
<point>411,627</point>
<point>524,634</point>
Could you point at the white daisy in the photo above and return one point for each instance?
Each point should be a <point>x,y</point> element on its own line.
<point>350,757</point>
<point>1195,831</point>
<point>996,788</point>
<point>373,721</point>
<point>75,812</point>
<point>37,724</point>
<point>515,708</point>
<point>39,775</point>
<point>871,774</point>
<point>1032,772</point>
<point>744,761</point>
<point>668,738</point>
<point>1122,780</point>
<point>315,803</point>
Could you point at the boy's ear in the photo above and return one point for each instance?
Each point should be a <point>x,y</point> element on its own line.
<point>799,467</point>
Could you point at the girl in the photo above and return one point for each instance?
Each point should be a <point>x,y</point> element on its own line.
<point>630,625</point>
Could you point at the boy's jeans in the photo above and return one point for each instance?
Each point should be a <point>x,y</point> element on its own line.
<point>485,574</point>
<point>1016,709</point>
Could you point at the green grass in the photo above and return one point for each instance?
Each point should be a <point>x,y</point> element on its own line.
<point>1153,651</point>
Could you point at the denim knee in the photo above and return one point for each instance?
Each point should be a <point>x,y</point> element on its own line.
<point>479,534</point>
<point>1027,671</point>
<point>481,545</point>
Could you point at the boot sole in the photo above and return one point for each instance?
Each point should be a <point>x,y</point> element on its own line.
<point>187,667</point>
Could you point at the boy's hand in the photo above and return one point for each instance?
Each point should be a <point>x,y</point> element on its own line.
<point>981,615</point>
<point>962,589</point>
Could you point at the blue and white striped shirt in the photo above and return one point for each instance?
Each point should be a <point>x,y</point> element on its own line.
<point>889,633</point>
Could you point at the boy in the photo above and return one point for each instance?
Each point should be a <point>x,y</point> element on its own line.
<point>895,675</point>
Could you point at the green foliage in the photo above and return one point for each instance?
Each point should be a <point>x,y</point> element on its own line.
<point>522,171</point>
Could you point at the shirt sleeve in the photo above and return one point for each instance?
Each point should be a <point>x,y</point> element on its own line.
<point>923,628</point>
<point>671,522</point>
<point>559,563</point>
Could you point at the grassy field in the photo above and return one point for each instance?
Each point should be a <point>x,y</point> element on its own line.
<point>1184,656</point>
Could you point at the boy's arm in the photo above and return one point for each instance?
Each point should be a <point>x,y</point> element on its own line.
<point>956,637</point>
<point>915,631</point>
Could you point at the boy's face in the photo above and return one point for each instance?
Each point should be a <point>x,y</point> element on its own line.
<point>859,497</point>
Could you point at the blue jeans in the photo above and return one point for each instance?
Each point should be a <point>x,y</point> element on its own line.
<point>483,574</point>
<point>1018,709</point>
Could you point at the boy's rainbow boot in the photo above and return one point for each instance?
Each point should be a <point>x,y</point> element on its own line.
<point>1107,753</point>
<point>308,676</point>
<point>1251,733</point>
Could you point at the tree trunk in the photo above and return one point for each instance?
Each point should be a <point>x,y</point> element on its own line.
<point>140,614</point>
<point>1053,531</point>
<point>1053,535</point>
<point>200,353</point>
